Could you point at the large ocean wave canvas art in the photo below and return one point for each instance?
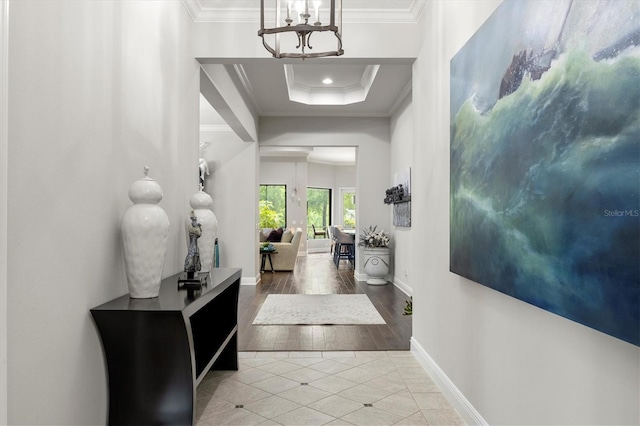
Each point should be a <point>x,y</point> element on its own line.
<point>545,159</point>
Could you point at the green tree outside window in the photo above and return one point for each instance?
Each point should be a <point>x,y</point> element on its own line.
<point>318,209</point>
<point>273,206</point>
<point>349,210</point>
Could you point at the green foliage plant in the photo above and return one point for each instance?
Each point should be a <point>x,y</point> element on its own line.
<point>408,309</point>
<point>349,218</point>
<point>269,218</point>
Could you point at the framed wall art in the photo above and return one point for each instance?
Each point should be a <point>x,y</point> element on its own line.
<point>545,159</point>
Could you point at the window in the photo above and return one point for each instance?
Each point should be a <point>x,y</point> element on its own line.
<point>273,206</point>
<point>318,211</point>
<point>349,209</point>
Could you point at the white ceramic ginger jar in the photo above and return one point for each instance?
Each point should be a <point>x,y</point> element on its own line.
<point>145,232</point>
<point>201,204</point>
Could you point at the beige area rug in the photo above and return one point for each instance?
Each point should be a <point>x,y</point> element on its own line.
<point>317,309</point>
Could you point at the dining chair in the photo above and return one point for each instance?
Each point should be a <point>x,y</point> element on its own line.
<point>332,238</point>
<point>321,232</point>
<point>345,248</point>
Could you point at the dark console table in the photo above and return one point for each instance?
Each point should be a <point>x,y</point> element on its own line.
<point>158,350</point>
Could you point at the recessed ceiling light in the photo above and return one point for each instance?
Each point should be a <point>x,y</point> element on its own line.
<point>327,81</point>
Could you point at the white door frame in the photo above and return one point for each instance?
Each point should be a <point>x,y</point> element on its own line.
<point>4,162</point>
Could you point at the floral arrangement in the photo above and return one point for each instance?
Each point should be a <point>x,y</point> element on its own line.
<point>372,238</point>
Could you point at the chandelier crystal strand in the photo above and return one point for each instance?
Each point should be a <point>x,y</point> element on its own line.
<point>286,46</point>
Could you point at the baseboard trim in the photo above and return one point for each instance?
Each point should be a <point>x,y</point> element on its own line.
<point>318,250</point>
<point>360,277</point>
<point>403,287</point>
<point>250,280</point>
<point>467,411</point>
<point>364,277</point>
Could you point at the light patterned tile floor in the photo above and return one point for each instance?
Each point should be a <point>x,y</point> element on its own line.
<point>323,388</point>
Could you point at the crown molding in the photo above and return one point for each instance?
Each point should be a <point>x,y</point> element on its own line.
<point>246,84</point>
<point>334,112</point>
<point>338,95</point>
<point>246,11</point>
<point>417,8</point>
<point>212,11</point>
<point>406,91</point>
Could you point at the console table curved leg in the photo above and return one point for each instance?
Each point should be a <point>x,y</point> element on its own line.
<point>149,367</point>
<point>158,350</point>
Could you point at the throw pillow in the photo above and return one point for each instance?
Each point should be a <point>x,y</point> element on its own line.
<point>264,234</point>
<point>275,236</point>
<point>287,236</point>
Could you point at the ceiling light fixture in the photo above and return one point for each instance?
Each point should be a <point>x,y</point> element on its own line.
<point>327,81</point>
<point>287,48</point>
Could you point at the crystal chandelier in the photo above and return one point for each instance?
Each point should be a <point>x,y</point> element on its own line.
<point>299,11</point>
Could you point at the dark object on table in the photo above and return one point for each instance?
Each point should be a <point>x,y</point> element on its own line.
<point>192,261</point>
<point>192,280</point>
<point>267,247</point>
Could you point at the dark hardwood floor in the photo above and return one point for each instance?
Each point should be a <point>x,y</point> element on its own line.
<point>317,274</point>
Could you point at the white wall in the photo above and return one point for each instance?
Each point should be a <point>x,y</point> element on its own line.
<point>231,154</point>
<point>331,176</point>
<point>218,87</point>
<point>371,136</point>
<point>346,176</point>
<point>96,91</point>
<point>515,363</point>
<point>401,158</point>
<point>323,175</point>
<point>232,185</point>
<point>4,142</point>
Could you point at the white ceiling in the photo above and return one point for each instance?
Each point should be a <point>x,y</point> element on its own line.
<point>353,92</point>
<point>270,97</point>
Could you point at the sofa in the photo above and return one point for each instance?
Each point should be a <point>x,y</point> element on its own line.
<point>285,259</point>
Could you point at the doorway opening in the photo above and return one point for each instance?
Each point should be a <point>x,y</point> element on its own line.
<point>318,213</point>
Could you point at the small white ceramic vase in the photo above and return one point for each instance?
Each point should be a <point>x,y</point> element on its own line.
<point>201,204</point>
<point>376,265</point>
<point>145,231</point>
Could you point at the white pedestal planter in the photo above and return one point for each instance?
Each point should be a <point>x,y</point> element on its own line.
<point>376,265</point>
<point>145,230</point>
